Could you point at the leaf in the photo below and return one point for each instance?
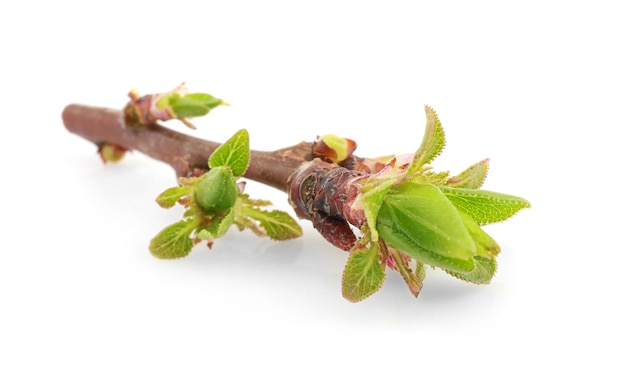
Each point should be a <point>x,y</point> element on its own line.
<point>418,220</point>
<point>413,281</point>
<point>278,225</point>
<point>482,273</point>
<point>173,242</point>
<point>235,152</point>
<point>363,274</point>
<point>485,207</point>
<point>472,177</point>
<point>370,199</point>
<point>169,197</point>
<point>193,105</point>
<point>432,143</point>
<point>218,227</point>
<point>245,199</point>
<point>485,245</point>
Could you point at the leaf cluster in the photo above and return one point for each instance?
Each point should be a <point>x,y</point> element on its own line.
<point>418,217</point>
<point>215,201</point>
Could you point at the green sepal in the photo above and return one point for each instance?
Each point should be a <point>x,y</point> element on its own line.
<point>485,207</point>
<point>472,177</point>
<point>433,142</point>
<point>174,241</point>
<point>277,225</point>
<point>169,197</point>
<point>218,226</point>
<point>193,105</point>
<point>370,199</point>
<point>363,274</point>
<point>482,273</point>
<point>235,152</point>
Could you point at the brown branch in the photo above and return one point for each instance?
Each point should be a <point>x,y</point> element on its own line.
<point>182,152</point>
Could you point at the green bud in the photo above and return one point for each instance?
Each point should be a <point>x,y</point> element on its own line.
<point>217,189</point>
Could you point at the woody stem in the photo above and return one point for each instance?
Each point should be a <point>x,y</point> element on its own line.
<point>182,152</point>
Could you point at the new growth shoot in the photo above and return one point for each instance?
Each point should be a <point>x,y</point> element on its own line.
<point>390,213</point>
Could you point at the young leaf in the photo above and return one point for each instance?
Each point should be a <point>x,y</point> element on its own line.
<point>219,225</point>
<point>235,152</point>
<point>483,271</point>
<point>485,245</point>
<point>472,177</point>
<point>278,225</point>
<point>370,199</point>
<point>413,281</point>
<point>169,197</point>
<point>418,220</point>
<point>432,143</point>
<point>193,105</point>
<point>173,242</point>
<point>485,207</point>
<point>363,274</point>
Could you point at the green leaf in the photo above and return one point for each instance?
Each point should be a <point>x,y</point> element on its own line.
<point>278,225</point>
<point>363,274</point>
<point>418,220</point>
<point>472,177</point>
<point>218,227</point>
<point>485,245</point>
<point>235,152</point>
<point>432,143</point>
<point>169,197</point>
<point>193,105</point>
<point>412,280</point>
<point>370,199</point>
<point>485,207</point>
<point>482,273</point>
<point>173,242</point>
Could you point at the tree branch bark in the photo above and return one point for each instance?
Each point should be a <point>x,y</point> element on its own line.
<point>182,152</point>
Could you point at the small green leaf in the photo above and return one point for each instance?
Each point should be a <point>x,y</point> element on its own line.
<point>472,177</point>
<point>418,220</point>
<point>193,105</point>
<point>432,143</point>
<point>363,274</point>
<point>485,207</point>
<point>412,280</point>
<point>218,227</point>
<point>173,242</point>
<point>482,273</point>
<point>278,225</point>
<point>235,152</point>
<point>485,245</point>
<point>169,197</point>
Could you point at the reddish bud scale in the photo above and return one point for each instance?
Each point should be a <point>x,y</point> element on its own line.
<point>325,193</point>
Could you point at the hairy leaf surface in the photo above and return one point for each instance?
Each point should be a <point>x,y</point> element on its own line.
<point>485,207</point>
<point>363,274</point>
<point>432,144</point>
<point>472,177</point>
<point>235,152</point>
<point>169,197</point>
<point>173,242</point>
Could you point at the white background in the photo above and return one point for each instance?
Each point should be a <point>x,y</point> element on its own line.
<point>539,87</point>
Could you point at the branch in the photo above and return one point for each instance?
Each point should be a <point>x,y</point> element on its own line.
<point>184,153</point>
